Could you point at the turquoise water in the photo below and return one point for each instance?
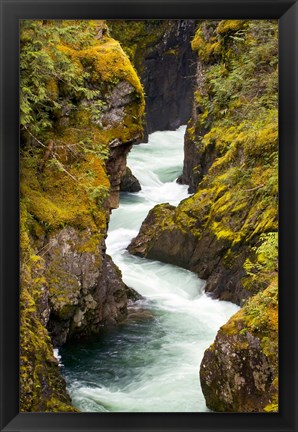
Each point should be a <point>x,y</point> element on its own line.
<point>149,363</point>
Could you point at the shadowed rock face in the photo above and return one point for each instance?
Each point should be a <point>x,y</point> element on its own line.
<point>129,183</point>
<point>168,78</point>
<point>162,55</point>
<point>86,289</point>
<point>197,161</point>
<point>162,238</point>
<point>168,245</point>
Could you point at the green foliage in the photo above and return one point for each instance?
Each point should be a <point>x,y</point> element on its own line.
<point>236,130</point>
<point>47,73</point>
<point>238,110</point>
<point>266,257</point>
<point>68,71</point>
<point>98,193</point>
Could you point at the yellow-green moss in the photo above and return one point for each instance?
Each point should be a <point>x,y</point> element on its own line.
<point>259,316</point>
<point>108,62</point>
<point>64,183</point>
<point>226,26</point>
<point>138,37</point>
<point>56,199</point>
<point>240,121</point>
<point>41,386</point>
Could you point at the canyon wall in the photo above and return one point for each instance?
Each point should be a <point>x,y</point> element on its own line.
<point>166,64</point>
<point>79,120</point>
<point>226,232</point>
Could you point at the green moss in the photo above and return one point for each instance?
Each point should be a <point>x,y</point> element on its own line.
<point>55,198</point>
<point>64,180</point>
<point>108,62</point>
<point>139,37</point>
<point>41,387</point>
<point>237,129</point>
<point>259,316</point>
<point>273,407</point>
<point>230,26</point>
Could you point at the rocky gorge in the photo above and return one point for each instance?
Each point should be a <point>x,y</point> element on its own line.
<point>221,77</point>
<point>226,232</point>
<point>70,180</point>
<point>161,53</point>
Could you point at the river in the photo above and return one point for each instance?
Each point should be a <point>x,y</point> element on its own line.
<point>151,362</point>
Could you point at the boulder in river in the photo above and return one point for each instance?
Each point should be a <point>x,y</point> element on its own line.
<point>129,183</point>
<point>239,371</point>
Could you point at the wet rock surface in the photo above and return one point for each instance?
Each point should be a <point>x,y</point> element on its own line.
<point>168,77</point>
<point>162,238</point>
<point>241,373</point>
<point>129,183</point>
<point>85,290</point>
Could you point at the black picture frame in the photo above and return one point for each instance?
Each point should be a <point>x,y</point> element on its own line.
<point>286,11</point>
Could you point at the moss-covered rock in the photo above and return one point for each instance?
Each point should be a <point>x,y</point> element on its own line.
<point>239,372</point>
<point>42,388</point>
<point>226,232</point>
<point>230,162</point>
<point>160,238</point>
<point>77,127</point>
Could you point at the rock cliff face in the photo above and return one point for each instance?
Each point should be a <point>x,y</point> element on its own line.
<point>226,232</point>
<point>239,372</point>
<point>161,52</point>
<point>71,170</point>
<point>42,388</point>
<point>165,236</point>
<point>235,199</point>
<point>85,287</point>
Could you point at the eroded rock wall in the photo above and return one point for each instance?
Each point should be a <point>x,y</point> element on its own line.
<point>226,232</point>
<point>71,169</point>
<point>166,64</point>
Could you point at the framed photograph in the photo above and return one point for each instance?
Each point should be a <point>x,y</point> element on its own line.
<point>148,215</point>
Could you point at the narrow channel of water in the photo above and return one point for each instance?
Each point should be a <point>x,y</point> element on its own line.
<point>151,362</point>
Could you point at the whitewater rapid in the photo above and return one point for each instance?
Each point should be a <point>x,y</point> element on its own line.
<point>150,363</point>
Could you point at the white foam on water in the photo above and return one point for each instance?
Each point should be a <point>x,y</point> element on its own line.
<point>162,358</point>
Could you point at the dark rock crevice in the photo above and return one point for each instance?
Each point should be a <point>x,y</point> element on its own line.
<point>168,78</point>
<point>162,55</point>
